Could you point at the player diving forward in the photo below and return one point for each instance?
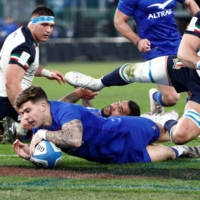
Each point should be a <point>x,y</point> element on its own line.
<point>171,72</point>
<point>80,133</point>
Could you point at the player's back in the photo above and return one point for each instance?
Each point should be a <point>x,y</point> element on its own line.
<point>105,140</point>
<point>109,140</point>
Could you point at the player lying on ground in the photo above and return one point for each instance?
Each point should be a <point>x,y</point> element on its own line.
<point>120,108</point>
<point>80,133</point>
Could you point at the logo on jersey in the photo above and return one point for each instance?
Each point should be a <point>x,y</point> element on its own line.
<point>21,59</point>
<point>160,13</point>
<point>193,26</point>
<point>161,5</point>
<point>154,127</point>
<point>177,64</point>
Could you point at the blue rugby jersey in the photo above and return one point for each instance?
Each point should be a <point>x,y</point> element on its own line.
<point>155,21</point>
<point>106,140</point>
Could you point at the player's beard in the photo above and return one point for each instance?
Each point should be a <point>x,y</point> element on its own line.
<point>104,114</point>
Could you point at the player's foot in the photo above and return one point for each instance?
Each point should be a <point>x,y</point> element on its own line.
<point>81,80</point>
<point>191,151</point>
<point>161,118</point>
<point>155,108</point>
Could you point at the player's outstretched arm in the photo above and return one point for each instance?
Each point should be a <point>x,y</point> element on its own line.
<point>52,75</point>
<point>120,23</point>
<point>78,94</point>
<point>69,136</point>
<point>21,149</point>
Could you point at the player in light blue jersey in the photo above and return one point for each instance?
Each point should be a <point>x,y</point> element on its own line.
<point>157,35</point>
<point>80,133</point>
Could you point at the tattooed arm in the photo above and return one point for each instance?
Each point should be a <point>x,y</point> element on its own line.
<point>86,103</point>
<point>78,94</point>
<point>70,136</point>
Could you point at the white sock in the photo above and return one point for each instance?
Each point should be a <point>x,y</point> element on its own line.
<point>179,149</point>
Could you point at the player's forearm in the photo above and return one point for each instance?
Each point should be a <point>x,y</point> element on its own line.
<point>71,98</point>
<point>127,32</point>
<point>187,51</point>
<point>122,26</point>
<point>189,60</point>
<point>39,71</point>
<point>191,7</point>
<point>86,103</point>
<point>69,136</point>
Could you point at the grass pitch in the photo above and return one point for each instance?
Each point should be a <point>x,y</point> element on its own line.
<point>178,179</point>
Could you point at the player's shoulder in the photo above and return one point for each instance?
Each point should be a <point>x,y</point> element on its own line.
<point>193,27</point>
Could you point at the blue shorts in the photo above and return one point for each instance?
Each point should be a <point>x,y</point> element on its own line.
<point>184,79</point>
<point>7,110</point>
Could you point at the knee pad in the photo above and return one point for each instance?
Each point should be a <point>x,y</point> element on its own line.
<point>193,115</point>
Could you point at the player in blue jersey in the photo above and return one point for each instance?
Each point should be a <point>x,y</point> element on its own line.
<point>80,133</point>
<point>19,59</point>
<point>157,35</point>
<point>172,72</point>
<point>119,108</point>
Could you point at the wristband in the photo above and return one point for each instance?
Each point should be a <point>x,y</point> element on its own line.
<point>138,42</point>
<point>46,73</point>
<point>42,134</point>
<point>198,65</point>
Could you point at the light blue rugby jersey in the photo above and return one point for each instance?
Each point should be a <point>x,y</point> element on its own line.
<point>106,140</point>
<point>155,21</point>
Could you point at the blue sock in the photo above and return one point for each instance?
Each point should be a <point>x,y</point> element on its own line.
<point>176,152</point>
<point>169,124</point>
<point>157,96</point>
<point>113,79</point>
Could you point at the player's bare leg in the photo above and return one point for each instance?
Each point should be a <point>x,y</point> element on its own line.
<point>159,152</point>
<point>169,95</point>
<point>188,126</point>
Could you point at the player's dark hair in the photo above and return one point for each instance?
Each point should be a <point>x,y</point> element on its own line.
<point>134,108</point>
<point>42,10</point>
<point>32,93</point>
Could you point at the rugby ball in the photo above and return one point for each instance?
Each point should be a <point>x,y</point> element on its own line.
<point>46,155</point>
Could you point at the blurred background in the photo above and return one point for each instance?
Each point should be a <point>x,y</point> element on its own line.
<point>84,29</point>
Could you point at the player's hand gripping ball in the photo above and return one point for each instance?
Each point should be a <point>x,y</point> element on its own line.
<point>46,155</point>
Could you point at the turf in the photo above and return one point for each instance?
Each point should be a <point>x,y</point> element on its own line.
<point>177,179</point>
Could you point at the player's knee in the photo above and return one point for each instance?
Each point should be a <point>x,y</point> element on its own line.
<point>180,135</point>
<point>171,99</point>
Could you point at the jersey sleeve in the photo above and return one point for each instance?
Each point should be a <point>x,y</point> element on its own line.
<point>194,26</point>
<point>66,113</point>
<point>21,56</point>
<point>127,6</point>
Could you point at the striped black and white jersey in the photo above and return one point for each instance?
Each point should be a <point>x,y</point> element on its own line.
<point>19,48</point>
